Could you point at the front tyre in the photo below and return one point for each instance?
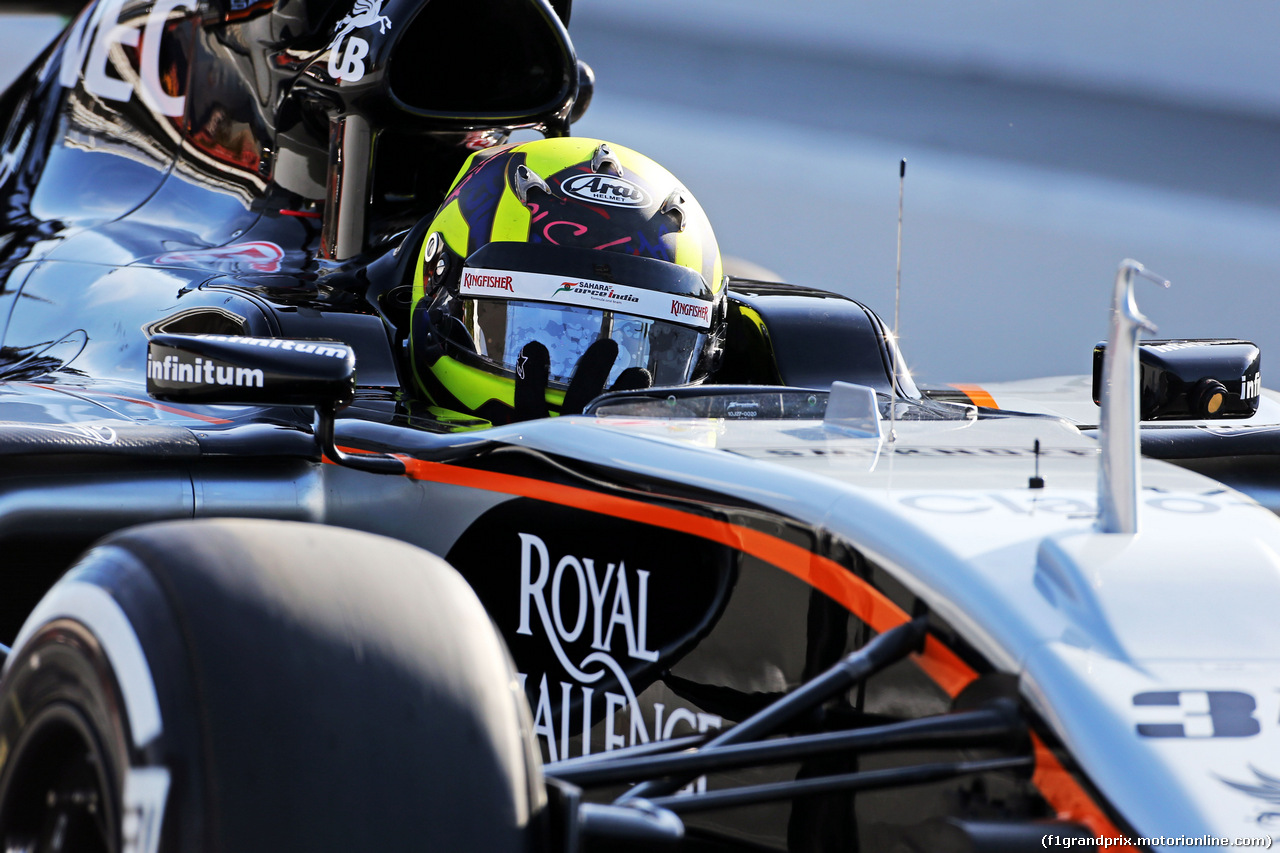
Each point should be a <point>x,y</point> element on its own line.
<point>251,685</point>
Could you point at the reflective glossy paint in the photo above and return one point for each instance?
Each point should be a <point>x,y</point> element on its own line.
<point>668,565</point>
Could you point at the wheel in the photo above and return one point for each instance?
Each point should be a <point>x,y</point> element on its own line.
<point>254,685</point>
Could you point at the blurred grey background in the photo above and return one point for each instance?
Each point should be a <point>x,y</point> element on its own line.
<point>1046,141</point>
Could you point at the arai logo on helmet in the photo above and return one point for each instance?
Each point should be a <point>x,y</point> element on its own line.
<point>605,189</point>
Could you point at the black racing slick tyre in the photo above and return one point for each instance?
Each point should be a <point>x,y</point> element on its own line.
<point>232,685</point>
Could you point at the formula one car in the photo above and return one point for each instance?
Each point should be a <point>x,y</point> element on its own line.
<point>804,605</point>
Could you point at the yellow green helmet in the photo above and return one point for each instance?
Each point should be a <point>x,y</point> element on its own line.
<point>560,268</point>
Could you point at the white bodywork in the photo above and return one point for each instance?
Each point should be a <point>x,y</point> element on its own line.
<point>1089,622</point>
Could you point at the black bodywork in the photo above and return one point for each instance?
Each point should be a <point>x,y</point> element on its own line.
<point>213,204</point>
<point>176,167</point>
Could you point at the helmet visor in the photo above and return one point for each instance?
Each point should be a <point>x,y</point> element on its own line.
<point>500,328</point>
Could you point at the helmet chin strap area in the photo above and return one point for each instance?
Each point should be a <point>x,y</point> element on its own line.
<point>589,376</point>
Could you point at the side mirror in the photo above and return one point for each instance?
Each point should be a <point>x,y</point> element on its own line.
<point>1193,379</point>
<point>231,369</point>
<point>586,90</point>
<point>236,370</point>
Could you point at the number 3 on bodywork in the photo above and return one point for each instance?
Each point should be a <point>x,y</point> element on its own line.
<point>1199,714</point>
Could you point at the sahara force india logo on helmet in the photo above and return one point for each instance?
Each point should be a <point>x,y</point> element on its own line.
<point>646,303</point>
<point>596,289</point>
<point>605,189</point>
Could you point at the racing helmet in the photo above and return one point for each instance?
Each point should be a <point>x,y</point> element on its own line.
<point>557,269</point>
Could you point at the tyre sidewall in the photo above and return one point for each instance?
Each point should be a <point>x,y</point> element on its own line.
<point>72,658</point>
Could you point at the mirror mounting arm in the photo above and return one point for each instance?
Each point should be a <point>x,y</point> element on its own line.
<point>375,463</point>
<point>1118,476</point>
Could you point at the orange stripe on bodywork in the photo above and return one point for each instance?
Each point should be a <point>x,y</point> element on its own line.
<point>824,574</point>
<point>940,663</point>
<point>160,407</point>
<point>151,404</point>
<point>977,395</point>
<point>1064,793</point>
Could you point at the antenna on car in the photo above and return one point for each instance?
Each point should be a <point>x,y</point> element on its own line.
<point>897,310</point>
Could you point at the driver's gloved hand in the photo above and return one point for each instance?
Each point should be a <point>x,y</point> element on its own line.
<point>633,379</point>
<point>590,375</point>
<point>588,380</point>
<point>532,372</point>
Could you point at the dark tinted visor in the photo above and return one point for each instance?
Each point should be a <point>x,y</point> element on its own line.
<point>500,328</point>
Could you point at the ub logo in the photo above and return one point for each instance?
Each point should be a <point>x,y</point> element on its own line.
<point>347,51</point>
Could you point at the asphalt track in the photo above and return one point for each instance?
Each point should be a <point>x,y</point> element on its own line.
<point>1022,193</point>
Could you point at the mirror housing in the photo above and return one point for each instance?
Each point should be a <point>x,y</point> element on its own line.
<point>237,370</point>
<point>231,369</point>
<point>1193,379</point>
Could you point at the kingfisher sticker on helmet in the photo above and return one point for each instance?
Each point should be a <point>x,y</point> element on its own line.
<point>700,311</point>
<point>605,189</point>
<point>539,287</point>
<point>473,282</point>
